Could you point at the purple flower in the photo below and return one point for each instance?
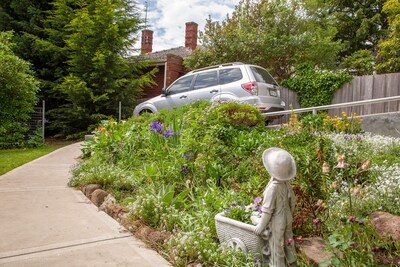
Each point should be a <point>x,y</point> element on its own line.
<point>228,210</point>
<point>233,204</point>
<point>156,126</point>
<point>188,156</point>
<point>168,133</point>
<point>353,244</point>
<point>257,200</point>
<point>184,169</point>
<point>260,210</point>
<point>243,206</point>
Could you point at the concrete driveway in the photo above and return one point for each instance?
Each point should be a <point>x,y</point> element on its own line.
<point>43,222</point>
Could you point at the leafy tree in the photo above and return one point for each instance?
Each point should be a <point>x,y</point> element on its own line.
<point>275,34</point>
<point>360,62</point>
<point>389,49</point>
<point>360,24</point>
<point>18,89</point>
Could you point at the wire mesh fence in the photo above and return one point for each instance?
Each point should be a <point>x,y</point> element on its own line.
<point>36,123</point>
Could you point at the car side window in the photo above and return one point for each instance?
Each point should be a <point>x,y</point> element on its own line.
<point>181,85</point>
<point>230,75</point>
<point>206,79</point>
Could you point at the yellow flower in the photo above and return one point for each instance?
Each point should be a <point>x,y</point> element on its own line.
<point>344,114</point>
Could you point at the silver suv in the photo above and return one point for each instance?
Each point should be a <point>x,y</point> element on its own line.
<point>232,81</point>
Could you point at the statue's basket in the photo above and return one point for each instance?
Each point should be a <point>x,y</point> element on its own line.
<point>239,235</point>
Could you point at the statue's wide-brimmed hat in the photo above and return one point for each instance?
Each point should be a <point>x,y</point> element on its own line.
<point>279,163</point>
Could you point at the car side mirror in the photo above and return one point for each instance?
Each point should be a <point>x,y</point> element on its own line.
<point>163,92</point>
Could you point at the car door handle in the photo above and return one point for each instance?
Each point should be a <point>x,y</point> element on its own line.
<point>183,97</point>
<point>214,91</point>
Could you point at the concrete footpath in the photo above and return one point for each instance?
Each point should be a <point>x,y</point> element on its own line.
<point>43,222</point>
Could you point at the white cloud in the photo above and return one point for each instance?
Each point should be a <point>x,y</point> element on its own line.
<point>167,18</point>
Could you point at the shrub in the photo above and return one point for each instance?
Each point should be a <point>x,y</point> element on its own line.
<point>18,89</point>
<point>315,87</point>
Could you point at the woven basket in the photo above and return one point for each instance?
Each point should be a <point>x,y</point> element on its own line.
<point>239,235</point>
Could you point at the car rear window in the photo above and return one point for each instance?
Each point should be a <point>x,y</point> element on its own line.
<point>262,76</point>
<point>230,75</point>
<point>206,79</point>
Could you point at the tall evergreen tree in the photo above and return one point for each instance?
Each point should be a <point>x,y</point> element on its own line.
<point>36,42</point>
<point>97,35</point>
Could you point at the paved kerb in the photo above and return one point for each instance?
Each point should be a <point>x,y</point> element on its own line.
<point>46,223</point>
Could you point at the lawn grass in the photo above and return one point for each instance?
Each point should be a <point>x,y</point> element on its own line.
<point>12,158</point>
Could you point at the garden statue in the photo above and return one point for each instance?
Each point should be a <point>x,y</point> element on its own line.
<point>277,208</point>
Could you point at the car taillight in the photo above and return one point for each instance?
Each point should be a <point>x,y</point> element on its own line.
<point>251,87</point>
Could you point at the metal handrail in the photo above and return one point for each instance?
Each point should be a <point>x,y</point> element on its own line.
<point>340,105</point>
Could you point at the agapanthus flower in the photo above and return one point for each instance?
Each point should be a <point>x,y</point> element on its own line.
<point>168,133</point>
<point>156,126</point>
<point>188,156</point>
<point>184,169</point>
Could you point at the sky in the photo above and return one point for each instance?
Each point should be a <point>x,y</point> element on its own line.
<point>167,18</point>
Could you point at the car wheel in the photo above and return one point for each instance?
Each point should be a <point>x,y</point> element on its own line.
<point>145,111</point>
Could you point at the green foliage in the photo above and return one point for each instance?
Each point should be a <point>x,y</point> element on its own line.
<point>298,31</point>
<point>38,42</point>
<point>18,89</point>
<point>352,244</point>
<point>97,35</point>
<point>179,182</point>
<point>388,54</point>
<point>315,87</point>
<point>236,114</point>
<point>360,24</point>
<point>360,63</point>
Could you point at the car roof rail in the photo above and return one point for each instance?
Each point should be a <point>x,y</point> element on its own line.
<point>217,66</point>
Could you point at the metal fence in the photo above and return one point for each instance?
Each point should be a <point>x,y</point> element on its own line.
<point>36,123</point>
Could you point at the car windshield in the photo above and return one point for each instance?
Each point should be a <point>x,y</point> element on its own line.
<point>262,76</point>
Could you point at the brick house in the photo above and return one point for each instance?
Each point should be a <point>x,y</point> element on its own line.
<point>169,62</point>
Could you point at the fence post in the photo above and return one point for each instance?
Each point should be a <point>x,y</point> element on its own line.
<point>43,118</point>
<point>314,112</point>
<point>119,111</point>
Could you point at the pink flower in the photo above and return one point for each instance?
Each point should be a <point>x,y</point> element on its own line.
<point>289,242</point>
<point>352,219</point>
<point>317,221</point>
<point>299,238</point>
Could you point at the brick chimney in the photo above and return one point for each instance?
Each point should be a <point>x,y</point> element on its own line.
<point>191,35</point>
<point>147,41</point>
